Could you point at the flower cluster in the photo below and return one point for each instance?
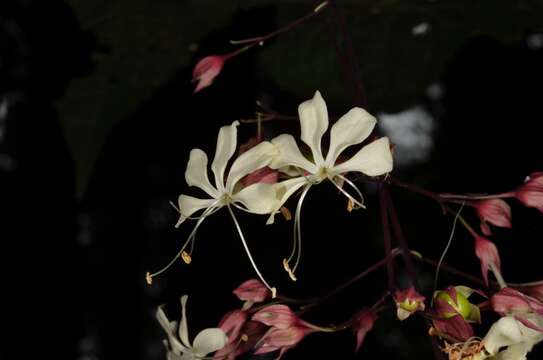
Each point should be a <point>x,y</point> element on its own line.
<point>265,196</point>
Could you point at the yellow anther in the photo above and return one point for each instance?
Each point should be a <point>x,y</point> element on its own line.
<point>286,213</point>
<point>350,205</point>
<point>288,270</point>
<point>186,257</point>
<point>149,278</point>
<point>273,292</point>
<point>244,337</point>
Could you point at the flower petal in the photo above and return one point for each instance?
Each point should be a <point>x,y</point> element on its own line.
<point>258,198</point>
<point>290,155</point>
<point>351,129</point>
<point>284,190</point>
<point>255,158</point>
<point>209,340</point>
<point>373,159</point>
<point>504,332</point>
<point>188,205</point>
<point>226,146</point>
<point>196,173</point>
<point>168,327</point>
<point>314,123</point>
<point>183,328</point>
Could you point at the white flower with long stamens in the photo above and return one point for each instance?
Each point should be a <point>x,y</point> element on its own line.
<point>258,198</point>
<point>352,128</point>
<point>207,341</point>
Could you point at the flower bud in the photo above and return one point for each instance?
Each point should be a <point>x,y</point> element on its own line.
<point>252,290</point>
<point>408,302</point>
<point>232,323</point>
<point>363,323</point>
<point>488,254</point>
<point>206,70</point>
<point>279,316</point>
<point>531,192</point>
<point>493,211</point>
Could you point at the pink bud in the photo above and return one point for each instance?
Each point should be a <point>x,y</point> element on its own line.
<point>206,70</point>
<point>535,290</point>
<point>488,254</point>
<point>232,323</point>
<point>279,316</point>
<point>531,192</point>
<point>282,339</point>
<point>494,211</point>
<point>456,327</point>
<point>408,302</point>
<point>510,301</point>
<point>363,323</point>
<point>252,290</point>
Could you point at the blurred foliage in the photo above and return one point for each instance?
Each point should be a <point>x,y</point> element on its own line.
<point>150,40</point>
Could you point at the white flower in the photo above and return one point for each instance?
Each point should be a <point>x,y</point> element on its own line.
<point>207,340</point>
<point>258,198</point>
<point>352,128</point>
<point>517,338</point>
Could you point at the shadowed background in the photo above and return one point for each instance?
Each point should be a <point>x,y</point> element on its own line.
<point>97,118</point>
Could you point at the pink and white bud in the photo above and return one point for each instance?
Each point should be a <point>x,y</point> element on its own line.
<point>279,316</point>
<point>493,211</point>
<point>252,290</point>
<point>206,70</point>
<point>408,301</point>
<point>510,302</point>
<point>363,323</point>
<point>531,192</point>
<point>488,254</point>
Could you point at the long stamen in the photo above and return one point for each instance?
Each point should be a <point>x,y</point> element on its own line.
<point>206,213</point>
<point>297,236</point>
<point>272,289</point>
<point>357,203</point>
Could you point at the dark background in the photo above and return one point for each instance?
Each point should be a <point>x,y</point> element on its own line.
<point>99,119</point>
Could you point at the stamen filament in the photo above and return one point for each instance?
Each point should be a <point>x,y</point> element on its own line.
<point>297,235</point>
<point>210,210</point>
<point>272,289</point>
<point>358,203</point>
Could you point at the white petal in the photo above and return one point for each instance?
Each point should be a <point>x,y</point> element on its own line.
<point>504,332</point>
<point>183,328</point>
<point>290,155</point>
<point>176,346</point>
<point>253,159</point>
<point>209,340</point>
<point>314,123</point>
<point>515,352</point>
<point>373,159</point>
<point>258,198</point>
<point>284,190</point>
<point>226,146</point>
<point>351,129</point>
<point>188,205</point>
<point>196,173</point>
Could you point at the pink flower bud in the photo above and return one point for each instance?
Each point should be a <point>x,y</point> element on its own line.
<point>531,192</point>
<point>494,211</point>
<point>510,301</point>
<point>232,323</point>
<point>488,254</point>
<point>206,70</point>
<point>282,339</point>
<point>252,290</point>
<point>279,316</point>
<point>408,302</point>
<point>363,323</point>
